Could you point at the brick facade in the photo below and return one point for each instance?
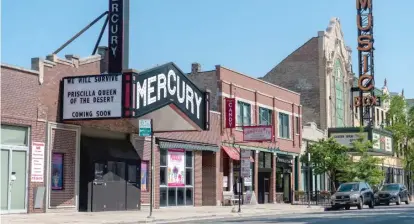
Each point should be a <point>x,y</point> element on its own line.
<point>310,70</point>
<point>223,82</point>
<point>64,141</point>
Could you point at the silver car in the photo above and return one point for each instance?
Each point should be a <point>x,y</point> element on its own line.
<point>353,194</point>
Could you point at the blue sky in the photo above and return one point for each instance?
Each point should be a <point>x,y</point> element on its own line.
<point>248,36</point>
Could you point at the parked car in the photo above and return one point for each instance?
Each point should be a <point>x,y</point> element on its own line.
<point>353,194</point>
<point>392,193</point>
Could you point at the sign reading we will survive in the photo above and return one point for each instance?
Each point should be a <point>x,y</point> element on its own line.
<point>176,167</point>
<point>91,97</point>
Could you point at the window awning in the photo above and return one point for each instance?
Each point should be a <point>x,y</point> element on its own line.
<point>187,146</point>
<point>234,153</point>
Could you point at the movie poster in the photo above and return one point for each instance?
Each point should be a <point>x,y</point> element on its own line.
<point>144,176</point>
<point>57,171</point>
<point>176,167</point>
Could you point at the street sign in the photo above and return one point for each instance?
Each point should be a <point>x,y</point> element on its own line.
<point>245,163</point>
<point>145,127</point>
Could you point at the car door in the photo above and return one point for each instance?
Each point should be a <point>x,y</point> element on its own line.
<point>365,191</point>
<point>404,192</point>
<point>370,191</point>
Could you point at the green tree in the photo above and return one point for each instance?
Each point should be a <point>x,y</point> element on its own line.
<point>397,122</point>
<point>330,158</point>
<point>367,168</point>
<point>400,122</point>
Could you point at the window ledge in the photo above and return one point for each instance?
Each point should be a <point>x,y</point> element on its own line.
<point>289,139</point>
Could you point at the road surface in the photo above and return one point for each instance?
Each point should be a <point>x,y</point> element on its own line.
<point>380,215</point>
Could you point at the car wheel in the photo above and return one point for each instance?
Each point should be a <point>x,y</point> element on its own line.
<point>347,207</point>
<point>371,203</point>
<point>398,200</point>
<point>360,204</point>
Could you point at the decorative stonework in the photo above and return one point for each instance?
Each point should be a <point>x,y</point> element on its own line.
<point>334,46</point>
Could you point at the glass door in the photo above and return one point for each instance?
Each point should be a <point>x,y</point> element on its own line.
<point>5,184</point>
<point>13,180</point>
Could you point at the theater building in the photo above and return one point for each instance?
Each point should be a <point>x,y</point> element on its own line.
<point>275,172</point>
<point>70,137</point>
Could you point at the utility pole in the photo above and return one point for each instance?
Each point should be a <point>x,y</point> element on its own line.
<point>152,170</point>
<point>309,174</point>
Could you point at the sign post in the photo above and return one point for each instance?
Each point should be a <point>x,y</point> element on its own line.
<point>145,130</point>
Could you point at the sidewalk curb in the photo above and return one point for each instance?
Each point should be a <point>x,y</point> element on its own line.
<point>222,216</point>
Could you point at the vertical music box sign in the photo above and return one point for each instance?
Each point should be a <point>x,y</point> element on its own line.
<point>230,112</point>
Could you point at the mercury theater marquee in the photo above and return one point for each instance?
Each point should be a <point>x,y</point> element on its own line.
<point>163,93</point>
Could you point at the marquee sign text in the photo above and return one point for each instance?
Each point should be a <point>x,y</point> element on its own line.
<point>365,45</point>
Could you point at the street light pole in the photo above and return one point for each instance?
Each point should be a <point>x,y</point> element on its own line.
<point>309,174</point>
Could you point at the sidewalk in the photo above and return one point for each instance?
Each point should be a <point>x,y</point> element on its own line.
<point>164,215</point>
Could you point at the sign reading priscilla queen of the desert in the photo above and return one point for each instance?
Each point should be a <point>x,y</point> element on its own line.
<point>176,167</point>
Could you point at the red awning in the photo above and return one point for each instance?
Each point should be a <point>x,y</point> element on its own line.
<point>234,153</point>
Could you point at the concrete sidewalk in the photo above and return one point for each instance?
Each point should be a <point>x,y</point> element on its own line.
<point>164,215</point>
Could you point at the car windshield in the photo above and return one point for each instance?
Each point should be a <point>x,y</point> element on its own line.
<point>390,187</point>
<point>348,187</point>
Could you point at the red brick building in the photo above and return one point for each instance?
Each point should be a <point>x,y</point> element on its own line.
<point>274,164</point>
<point>47,157</point>
<point>33,138</point>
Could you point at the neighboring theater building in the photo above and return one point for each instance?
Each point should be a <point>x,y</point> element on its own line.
<point>275,172</point>
<point>51,164</point>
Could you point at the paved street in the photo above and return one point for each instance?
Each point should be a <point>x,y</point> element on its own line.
<point>381,214</point>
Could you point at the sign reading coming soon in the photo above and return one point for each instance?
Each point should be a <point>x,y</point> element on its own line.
<point>92,97</point>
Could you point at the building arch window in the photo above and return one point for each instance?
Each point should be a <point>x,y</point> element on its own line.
<point>339,94</point>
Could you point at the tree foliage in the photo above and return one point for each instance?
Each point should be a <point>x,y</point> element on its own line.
<point>337,161</point>
<point>367,168</point>
<point>400,121</point>
<point>329,157</point>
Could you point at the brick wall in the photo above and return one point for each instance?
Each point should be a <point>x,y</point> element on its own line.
<point>19,106</point>
<point>143,148</point>
<point>207,80</point>
<point>198,178</point>
<point>299,72</point>
<point>209,180</point>
<point>64,141</point>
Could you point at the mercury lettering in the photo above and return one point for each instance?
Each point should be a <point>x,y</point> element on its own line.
<point>167,85</point>
<point>115,27</point>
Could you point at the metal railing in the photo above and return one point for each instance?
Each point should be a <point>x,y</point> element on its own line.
<point>321,198</point>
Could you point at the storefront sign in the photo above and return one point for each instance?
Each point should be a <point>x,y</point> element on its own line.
<point>57,171</point>
<point>283,160</point>
<point>230,112</point>
<point>257,133</point>
<point>365,45</point>
<point>248,180</point>
<point>92,97</point>
<point>38,162</point>
<point>346,139</point>
<point>367,101</point>
<point>245,163</point>
<point>225,181</point>
<point>381,142</point>
<point>165,85</point>
<point>115,36</point>
<point>176,167</point>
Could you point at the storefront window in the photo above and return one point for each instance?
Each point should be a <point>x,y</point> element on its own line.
<point>176,177</point>
<point>265,160</point>
<point>14,135</point>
